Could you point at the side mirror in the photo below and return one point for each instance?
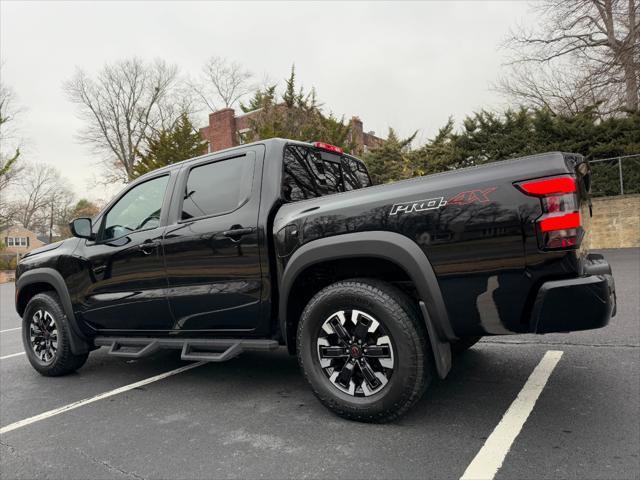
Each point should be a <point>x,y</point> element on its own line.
<point>81,228</point>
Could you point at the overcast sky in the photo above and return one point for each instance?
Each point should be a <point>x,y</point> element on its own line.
<point>405,65</point>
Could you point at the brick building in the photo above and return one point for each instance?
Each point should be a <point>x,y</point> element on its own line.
<point>19,240</point>
<point>225,130</point>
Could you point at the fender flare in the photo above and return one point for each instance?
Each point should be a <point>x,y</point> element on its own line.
<point>390,246</point>
<point>79,342</point>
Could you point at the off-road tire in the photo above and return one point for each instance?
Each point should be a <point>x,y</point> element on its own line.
<point>463,344</point>
<point>64,361</point>
<point>413,364</point>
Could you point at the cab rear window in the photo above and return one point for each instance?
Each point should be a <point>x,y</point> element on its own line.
<point>309,173</point>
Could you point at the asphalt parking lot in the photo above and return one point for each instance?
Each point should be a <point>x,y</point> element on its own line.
<point>254,417</point>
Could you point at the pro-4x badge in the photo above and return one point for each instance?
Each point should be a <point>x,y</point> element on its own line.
<point>472,196</point>
<point>418,205</point>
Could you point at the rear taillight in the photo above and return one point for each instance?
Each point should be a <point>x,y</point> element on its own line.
<point>548,186</point>
<point>560,224</point>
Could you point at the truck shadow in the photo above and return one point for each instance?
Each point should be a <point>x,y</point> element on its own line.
<point>481,385</point>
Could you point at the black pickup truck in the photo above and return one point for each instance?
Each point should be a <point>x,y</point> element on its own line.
<point>287,243</point>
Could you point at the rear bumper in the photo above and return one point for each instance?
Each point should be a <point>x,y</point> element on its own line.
<point>581,303</point>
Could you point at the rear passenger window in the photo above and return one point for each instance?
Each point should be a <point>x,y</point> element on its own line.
<point>355,174</point>
<point>362,174</point>
<point>218,187</point>
<point>308,175</point>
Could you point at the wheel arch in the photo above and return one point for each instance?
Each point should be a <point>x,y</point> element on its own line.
<point>386,247</point>
<point>39,280</point>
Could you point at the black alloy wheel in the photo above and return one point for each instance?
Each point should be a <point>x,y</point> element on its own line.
<point>355,352</point>
<point>46,337</point>
<point>43,336</point>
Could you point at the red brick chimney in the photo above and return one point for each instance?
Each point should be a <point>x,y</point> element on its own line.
<point>357,135</point>
<point>221,132</point>
<point>223,128</point>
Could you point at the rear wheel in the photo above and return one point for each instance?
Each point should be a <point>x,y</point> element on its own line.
<point>463,344</point>
<point>45,335</point>
<point>363,349</point>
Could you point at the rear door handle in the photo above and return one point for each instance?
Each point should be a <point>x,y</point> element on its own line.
<point>99,269</point>
<point>148,247</point>
<point>237,233</point>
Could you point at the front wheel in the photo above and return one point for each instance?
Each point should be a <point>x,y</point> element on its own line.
<point>363,349</point>
<point>45,335</point>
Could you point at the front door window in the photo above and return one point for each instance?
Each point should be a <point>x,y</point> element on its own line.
<point>138,209</point>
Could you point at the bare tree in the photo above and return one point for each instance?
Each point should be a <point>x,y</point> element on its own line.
<point>557,88</point>
<point>9,144</point>
<point>222,83</point>
<point>9,150</point>
<point>122,106</point>
<point>584,52</point>
<point>40,192</point>
<point>178,101</point>
<point>61,206</point>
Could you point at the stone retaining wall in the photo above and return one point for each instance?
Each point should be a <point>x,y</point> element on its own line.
<point>615,222</point>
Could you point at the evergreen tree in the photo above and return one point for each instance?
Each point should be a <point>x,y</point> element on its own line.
<point>289,97</point>
<point>390,161</point>
<point>438,155</point>
<point>84,208</point>
<point>183,141</point>
<point>487,137</point>
<point>7,165</point>
<point>297,115</point>
<point>260,99</point>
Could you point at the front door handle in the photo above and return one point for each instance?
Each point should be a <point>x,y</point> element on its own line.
<point>148,247</point>
<point>236,233</point>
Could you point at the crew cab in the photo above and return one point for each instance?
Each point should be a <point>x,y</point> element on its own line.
<point>288,243</point>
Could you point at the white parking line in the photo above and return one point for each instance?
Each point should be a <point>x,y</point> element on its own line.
<point>10,329</point>
<point>489,459</point>
<point>12,355</point>
<point>86,401</point>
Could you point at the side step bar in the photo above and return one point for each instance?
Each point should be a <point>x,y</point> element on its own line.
<point>193,349</point>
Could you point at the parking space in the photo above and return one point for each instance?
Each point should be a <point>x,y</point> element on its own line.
<point>10,342</point>
<point>27,393</point>
<point>586,423</point>
<point>8,318</point>
<point>254,417</point>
